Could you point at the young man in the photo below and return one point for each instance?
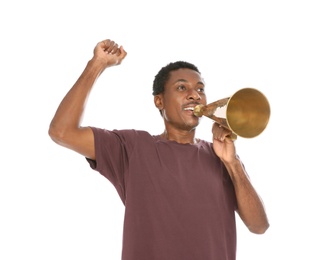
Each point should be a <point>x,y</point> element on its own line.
<point>180,193</point>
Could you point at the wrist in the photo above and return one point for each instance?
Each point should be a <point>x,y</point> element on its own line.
<point>96,65</point>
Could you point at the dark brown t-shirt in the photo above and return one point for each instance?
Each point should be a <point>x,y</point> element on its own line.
<point>179,200</point>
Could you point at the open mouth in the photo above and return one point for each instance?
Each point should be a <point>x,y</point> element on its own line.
<point>189,110</point>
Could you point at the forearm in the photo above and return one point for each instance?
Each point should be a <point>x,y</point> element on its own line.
<point>250,205</point>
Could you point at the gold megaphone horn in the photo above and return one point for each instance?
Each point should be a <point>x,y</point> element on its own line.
<point>247,112</point>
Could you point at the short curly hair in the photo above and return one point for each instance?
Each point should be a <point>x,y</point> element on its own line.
<point>163,75</point>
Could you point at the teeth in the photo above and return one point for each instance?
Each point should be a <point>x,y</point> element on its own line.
<point>189,108</point>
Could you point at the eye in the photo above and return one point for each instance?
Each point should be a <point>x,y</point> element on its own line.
<point>181,87</point>
<point>201,90</point>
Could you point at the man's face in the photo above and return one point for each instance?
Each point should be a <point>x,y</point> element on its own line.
<point>182,92</point>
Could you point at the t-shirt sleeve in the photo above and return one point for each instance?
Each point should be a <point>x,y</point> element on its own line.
<point>113,149</point>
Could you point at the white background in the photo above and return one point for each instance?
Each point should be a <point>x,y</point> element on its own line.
<point>53,206</point>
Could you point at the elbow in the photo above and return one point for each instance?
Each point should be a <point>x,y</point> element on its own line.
<point>57,135</point>
<point>260,229</point>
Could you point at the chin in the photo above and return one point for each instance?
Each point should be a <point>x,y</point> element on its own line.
<point>192,124</point>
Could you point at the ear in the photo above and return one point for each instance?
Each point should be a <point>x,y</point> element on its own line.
<point>158,101</point>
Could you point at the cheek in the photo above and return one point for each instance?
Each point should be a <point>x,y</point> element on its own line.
<point>171,102</point>
<point>168,112</point>
<point>203,100</point>
<point>171,108</point>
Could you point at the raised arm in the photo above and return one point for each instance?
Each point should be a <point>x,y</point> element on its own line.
<point>65,128</point>
<point>250,205</point>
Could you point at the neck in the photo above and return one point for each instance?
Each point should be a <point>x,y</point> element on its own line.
<point>181,137</point>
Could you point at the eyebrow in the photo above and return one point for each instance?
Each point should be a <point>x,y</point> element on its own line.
<point>183,80</point>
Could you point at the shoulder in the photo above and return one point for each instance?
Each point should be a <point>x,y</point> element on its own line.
<point>123,134</point>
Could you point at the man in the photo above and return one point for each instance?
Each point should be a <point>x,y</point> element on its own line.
<point>180,193</point>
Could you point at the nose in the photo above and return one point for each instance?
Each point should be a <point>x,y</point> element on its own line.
<point>193,94</point>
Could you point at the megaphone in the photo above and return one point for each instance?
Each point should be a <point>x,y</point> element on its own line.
<point>247,112</point>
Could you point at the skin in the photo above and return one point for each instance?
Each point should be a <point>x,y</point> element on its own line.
<point>185,88</point>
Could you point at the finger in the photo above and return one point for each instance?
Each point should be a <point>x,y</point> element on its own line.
<point>220,132</point>
<point>122,51</point>
<point>216,124</point>
<point>108,43</point>
<point>229,139</point>
<point>105,43</point>
<point>219,138</point>
<point>110,46</point>
<point>114,49</point>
